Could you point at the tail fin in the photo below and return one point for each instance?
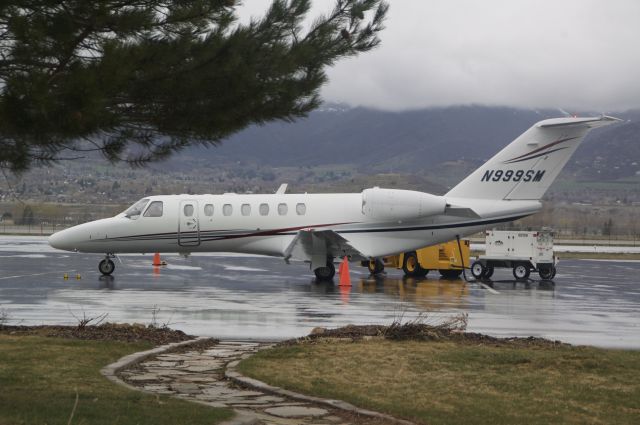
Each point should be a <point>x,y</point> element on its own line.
<point>525,169</point>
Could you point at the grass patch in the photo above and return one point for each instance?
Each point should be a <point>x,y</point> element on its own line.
<point>39,377</point>
<point>460,382</point>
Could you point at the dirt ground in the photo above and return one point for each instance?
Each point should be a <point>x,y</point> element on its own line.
<point>106,332</point>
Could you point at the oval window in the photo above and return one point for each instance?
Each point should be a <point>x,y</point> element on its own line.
<point>282,209</point>
<point>188,210</point>
<point>245,209</point>
<point>264,209</point>
<point>301,209</point>
<point>208,210</point>
<point>227,209</point>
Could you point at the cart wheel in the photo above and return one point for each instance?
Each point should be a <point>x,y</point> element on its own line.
<point>450,274</point>
<point>375,266</point>
<point>411,265</point>
<point>488,271</point>
<point>477,269</point>
<point>521,271</point>
<point>547,273</point>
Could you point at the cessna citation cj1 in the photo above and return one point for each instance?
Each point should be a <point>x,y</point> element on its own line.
<point>320,227</point>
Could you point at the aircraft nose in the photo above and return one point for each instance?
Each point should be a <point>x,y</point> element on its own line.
<point>61,240</point>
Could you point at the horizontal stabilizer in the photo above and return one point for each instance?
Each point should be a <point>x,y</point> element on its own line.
<point>568,122</point>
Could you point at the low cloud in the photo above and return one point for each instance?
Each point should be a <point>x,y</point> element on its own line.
<point>574,54</point>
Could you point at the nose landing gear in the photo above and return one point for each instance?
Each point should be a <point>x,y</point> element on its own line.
<point>106,266</point>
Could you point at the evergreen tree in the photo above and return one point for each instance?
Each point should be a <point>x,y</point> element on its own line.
<point>140,79</point>
<point>27,215</point>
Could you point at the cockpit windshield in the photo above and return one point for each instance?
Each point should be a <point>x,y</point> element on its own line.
<point>136,209</point>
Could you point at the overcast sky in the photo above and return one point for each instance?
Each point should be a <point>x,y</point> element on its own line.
<point>571,54</point>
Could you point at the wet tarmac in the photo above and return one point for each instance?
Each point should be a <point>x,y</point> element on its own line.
<point>249,297</point>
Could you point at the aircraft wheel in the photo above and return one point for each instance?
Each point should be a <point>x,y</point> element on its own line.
<point>547,273</point>
<point>327,272</point>
<point>488,272</point>
<point>450,274</point>
<point>411,265</point>
<point>521,271</point>
<point>106,267</point>
<point>478,270</point>
<point>375,266</point>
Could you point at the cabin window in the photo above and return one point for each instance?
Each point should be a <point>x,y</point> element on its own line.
<point>245,209</point>
<point>208,210</point>
<point>188,210</point>
<point>282,209</point>
<point>227,210</point>
<point>301,209</point>
<point>154,210</point>
<point>264,209</point>
<point>134,211</point>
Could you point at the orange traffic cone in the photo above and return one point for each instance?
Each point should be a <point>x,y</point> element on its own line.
<point>345,293</point>
<point>156,259</point>
<point>345,279</point>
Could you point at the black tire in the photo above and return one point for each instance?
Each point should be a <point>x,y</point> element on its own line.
<point>106,267</point>
<point>375,266</point>
<point>521,271</point>
<point>327,272</point>
<point>547,272</point>
<point>411,265</point>
<point>450,274</point>
<point>477,270</point>
<point>488,272</point>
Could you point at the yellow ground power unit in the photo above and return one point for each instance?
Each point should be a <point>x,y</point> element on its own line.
<point>444,257</point>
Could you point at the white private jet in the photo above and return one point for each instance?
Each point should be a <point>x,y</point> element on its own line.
<point>320,227</point>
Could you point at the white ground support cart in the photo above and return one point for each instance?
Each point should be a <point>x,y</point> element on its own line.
<point>523,252</point>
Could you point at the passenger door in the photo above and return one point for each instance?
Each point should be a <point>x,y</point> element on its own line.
<point>188,224</point>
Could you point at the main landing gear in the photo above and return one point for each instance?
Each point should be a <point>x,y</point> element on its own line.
<point>327,272</point>
<point>106,266</point>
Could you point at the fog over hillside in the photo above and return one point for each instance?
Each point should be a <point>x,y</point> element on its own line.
<point>408,141</point>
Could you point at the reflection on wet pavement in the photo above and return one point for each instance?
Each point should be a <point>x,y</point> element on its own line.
<point>248,297</point>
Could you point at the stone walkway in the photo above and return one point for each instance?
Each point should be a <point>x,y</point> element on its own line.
<point>199,375</point>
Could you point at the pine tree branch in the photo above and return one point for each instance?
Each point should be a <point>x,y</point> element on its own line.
<point>147,78</point>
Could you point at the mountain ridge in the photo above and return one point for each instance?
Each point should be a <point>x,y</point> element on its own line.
<point>382,141</point>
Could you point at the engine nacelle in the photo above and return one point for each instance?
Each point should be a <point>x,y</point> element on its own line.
<point>393,204</point>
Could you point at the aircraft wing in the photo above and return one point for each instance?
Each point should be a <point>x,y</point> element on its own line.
<point>317,245</point>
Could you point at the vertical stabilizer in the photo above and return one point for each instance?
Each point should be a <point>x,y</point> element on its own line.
<point>525,169</point>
